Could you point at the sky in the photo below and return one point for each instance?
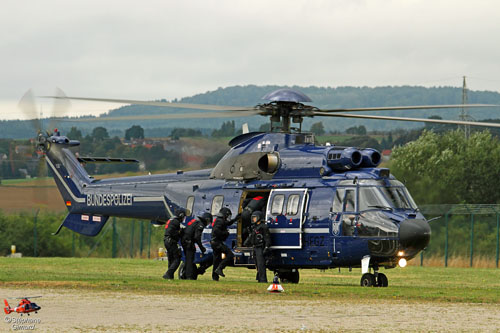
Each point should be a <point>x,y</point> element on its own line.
<point>172,49</point>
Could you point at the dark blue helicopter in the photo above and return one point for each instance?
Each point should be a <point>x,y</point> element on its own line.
<point>326,206</point>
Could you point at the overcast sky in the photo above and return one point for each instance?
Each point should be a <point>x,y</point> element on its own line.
<point>172,49</point>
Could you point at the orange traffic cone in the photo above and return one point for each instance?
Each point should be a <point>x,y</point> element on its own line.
<point>275,287</point>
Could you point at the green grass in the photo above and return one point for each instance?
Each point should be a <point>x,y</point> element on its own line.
<point>144,277</point>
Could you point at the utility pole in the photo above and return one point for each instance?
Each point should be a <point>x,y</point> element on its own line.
<point>463,114</point>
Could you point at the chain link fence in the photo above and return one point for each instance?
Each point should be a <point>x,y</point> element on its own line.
<point>466,231</point>
<point>462,235</point>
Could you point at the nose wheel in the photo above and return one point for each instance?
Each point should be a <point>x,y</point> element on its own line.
<point>382,280</point>
<point>367,280</point>
<point>374,280</point>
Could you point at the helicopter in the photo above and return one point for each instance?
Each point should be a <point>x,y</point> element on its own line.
<point>25,306</point>
<point>326,206</point>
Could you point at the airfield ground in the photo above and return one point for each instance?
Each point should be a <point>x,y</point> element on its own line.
<point>87,295</point>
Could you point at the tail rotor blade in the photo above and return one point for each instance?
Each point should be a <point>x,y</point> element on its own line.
<point>27,106</point>
<point>59,108</point>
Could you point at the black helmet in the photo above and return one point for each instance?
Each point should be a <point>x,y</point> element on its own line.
<point>225,212</point>
<point>180,213</point>
<point>257,214</point>
<point>205,218</point>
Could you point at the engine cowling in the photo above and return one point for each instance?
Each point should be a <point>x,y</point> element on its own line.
<point>370,158</point>
<point>344,159</point>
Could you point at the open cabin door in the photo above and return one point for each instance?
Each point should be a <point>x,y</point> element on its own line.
<point>285,215</point>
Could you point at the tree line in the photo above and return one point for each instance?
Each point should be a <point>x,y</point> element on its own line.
<point>250,95</point>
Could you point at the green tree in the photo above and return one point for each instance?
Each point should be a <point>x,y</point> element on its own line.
<point>448,168</point>
<point>74,134</point>
<point>227,129</point>
<point>99,134</point>
<point>317,128</point>
<point>134,132</point>
<point>362,142</point>
<point>356,130</point>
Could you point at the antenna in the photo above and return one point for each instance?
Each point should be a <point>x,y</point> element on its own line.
<point>463,114</point>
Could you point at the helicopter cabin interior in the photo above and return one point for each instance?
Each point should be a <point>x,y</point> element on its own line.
<point>260,199</point>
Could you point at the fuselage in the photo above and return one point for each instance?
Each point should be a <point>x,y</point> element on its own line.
<point>325,207</point>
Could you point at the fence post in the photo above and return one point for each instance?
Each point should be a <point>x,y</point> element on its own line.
<point>141,242</point>
<point>149,240</point>
<point>471,238</point>
<point>132,240</point>
<point>446,240</point>
<point>35,234</point>
<point>113,246</point>
<point>498,240</point>
<point>73,245</point>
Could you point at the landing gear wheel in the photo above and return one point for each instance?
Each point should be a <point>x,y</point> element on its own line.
<point>382,280</point>
<point>289,277</point>
<point>368,280</point>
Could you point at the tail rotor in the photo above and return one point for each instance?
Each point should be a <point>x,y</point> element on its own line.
<point>41,142</point>
<point>7,308</point>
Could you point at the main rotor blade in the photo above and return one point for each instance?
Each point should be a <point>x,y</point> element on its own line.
<point>424,120</point>
<point>414,107</point>
<point>199,115</point>
<point>163,104</point>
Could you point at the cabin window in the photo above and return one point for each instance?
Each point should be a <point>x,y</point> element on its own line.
<point>292,207</point>
<point>217,202</point>
<point>277,205</point>
<point>189,206</point>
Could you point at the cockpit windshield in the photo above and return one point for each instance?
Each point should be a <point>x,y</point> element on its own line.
<point>374,194</point>
<point>372,198</point>
<point>399,195</point>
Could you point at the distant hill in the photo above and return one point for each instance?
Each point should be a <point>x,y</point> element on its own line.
<point>323,97</point>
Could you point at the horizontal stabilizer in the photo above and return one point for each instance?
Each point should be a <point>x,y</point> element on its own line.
<point>85,224</point>
<point>106,160</point>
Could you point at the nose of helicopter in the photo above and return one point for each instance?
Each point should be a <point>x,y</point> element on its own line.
<point>414,235</point>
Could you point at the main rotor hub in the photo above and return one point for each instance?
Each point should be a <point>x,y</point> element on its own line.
<point>287,95</point>
<point>286,107</point>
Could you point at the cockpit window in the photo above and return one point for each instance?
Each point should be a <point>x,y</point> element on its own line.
<point>345,200</point>
<point>371,198</point>
<point>349,201</point>
<point>397,197</point>
<point>373,195</point>
<point>337,201</point>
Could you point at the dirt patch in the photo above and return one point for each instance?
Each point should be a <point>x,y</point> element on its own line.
<point>25,198</point>
<point>89,311</point>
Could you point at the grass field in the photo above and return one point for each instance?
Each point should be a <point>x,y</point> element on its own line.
<point>129,295</point>
<point>143,276</point>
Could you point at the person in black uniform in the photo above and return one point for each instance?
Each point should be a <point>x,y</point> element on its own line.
<point>251,205</point>
<point>191,236</point>
<point>172,236</point>
<point>260,240</point>
<point>219,236</point>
